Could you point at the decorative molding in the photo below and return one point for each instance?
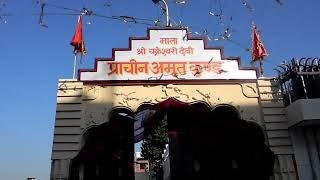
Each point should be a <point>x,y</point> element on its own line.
<point>130,99</point>
<point>249,91</point>
<point>90,93</point>
<point>126,98</point>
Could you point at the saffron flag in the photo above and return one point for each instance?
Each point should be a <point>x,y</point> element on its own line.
<point>77,40</point>
<point>258,49</point>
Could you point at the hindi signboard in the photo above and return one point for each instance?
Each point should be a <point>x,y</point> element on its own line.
<point>167,54</point>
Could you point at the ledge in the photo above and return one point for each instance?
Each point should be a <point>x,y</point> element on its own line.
<point>303,112</point>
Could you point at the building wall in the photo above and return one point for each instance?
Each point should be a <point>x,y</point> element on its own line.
<point>306,142</point>
<point>67,131</point>
<point>141,166</point>
<point>242,96</point>
<point>303,112</point>
<point>80,107</point>
<point>142,176</point>
<point>276,128</point>
<point>304,116</point>
<point>166,163</point>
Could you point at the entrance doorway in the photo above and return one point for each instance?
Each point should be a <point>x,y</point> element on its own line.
<point>107,152</point>
<point>204,144</point>
<point>213,144</point>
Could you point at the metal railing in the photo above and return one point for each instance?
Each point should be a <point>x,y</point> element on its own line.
<point>299,79</point>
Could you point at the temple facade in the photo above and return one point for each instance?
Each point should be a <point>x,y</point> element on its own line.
<point>218,114</point>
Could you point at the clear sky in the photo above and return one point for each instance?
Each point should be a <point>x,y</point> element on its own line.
<point>33,58</point>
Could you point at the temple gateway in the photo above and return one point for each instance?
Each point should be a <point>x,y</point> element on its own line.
<point>223,121</point>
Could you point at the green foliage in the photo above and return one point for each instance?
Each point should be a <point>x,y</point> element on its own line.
<point>153,146</point>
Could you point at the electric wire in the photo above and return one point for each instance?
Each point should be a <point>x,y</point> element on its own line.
<point>124,18</point>
<point>219,7</point>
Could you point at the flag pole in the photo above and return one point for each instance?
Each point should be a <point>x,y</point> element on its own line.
<point>74,66</point>
<point>261,69</point>
<point>78,43</point>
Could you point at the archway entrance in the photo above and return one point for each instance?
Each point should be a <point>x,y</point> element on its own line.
<point>107,152</point>
<point>212,144</point>
<point>203,144</point>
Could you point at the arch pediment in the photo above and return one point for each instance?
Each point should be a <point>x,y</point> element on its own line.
<point>167,55</point>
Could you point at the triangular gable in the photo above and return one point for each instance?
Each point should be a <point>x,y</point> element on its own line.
<point>170,55</point>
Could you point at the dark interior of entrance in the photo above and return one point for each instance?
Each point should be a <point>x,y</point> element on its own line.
<point>203,143</point>
<point>108,151</point>
<point>216,144</point>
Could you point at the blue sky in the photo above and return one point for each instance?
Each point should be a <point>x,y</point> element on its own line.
<point>33,58</point>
